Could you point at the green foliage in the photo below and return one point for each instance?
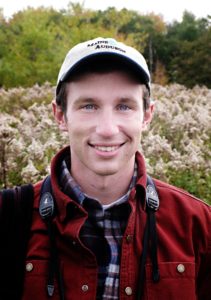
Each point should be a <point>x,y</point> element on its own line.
<point>194,61</point>
<point>31,49</point>
<point>196,183</point>
<point>185,51</point>
<point>33,43</point>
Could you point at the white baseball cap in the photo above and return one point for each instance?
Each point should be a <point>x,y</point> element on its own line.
<point>103,48</point>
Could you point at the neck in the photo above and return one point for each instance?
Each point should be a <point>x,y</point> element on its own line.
<point>107,189</point>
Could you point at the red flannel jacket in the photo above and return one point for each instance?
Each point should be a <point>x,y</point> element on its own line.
<point>184,246</point>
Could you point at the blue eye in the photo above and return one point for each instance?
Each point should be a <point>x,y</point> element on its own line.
<point>123,107</point>
<point>89,107</point>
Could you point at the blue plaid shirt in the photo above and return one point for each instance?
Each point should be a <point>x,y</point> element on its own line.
<point>102,232</point>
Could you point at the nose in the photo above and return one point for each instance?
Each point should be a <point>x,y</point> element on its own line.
<point>107,125</point>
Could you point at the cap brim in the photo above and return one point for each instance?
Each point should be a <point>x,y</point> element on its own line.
<point>91,61</point>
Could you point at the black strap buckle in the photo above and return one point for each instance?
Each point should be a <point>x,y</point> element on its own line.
<point>46,207</point>
<point>152,198</point>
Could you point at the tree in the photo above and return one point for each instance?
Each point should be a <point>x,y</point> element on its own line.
<point>183,48</point>
<point>193,65</point>
<point>35,48</point>
<point>34,42</point>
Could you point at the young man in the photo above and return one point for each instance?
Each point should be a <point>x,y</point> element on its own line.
<point>101,241</point>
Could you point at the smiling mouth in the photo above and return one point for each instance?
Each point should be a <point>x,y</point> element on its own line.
<point>106,148</point>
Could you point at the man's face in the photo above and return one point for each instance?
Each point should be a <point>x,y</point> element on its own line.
<point>104,120</point>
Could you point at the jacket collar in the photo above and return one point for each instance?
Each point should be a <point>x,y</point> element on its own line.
<point>65,201</point>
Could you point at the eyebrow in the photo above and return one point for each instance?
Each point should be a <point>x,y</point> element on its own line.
<point>90,100</point>
<point>128,100</point>
<point>83,100</point>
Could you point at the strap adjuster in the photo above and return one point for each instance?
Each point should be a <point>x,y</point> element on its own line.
<point>46,207</point>
<point>152,197</point>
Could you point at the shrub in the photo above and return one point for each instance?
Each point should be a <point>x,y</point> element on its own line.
<point>177,145</point>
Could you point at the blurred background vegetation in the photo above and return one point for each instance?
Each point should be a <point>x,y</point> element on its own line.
<point>34,42</point>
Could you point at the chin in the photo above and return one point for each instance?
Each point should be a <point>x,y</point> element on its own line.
<point>106,172</point>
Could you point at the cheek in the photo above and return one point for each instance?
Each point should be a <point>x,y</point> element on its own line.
<point>77,134</point>
<point>135,126</point>
<point>134,135</point>
<point>138,131</point>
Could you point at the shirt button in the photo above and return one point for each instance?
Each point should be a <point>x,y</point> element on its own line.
<point>29,267</point>
<point>128,291</point>
<point>181,268</point>
<point>129,238</point>
<point>85,288</point>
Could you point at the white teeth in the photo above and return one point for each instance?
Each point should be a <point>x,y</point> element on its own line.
<point>106,149</point>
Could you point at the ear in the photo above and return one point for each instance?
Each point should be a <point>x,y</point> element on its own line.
<point>148,114</point>
<point>59,116</point>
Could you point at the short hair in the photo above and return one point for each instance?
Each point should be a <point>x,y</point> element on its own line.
<point>100,66</point>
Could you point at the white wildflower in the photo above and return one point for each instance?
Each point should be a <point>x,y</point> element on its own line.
<point>29,172</point>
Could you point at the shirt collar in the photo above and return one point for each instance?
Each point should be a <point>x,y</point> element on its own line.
<point>71,188</point>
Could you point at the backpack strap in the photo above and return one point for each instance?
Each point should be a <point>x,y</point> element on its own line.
<point>150,237</point>
<point>152,198</point>
<point>15,220</point>
<point>47,212</point>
